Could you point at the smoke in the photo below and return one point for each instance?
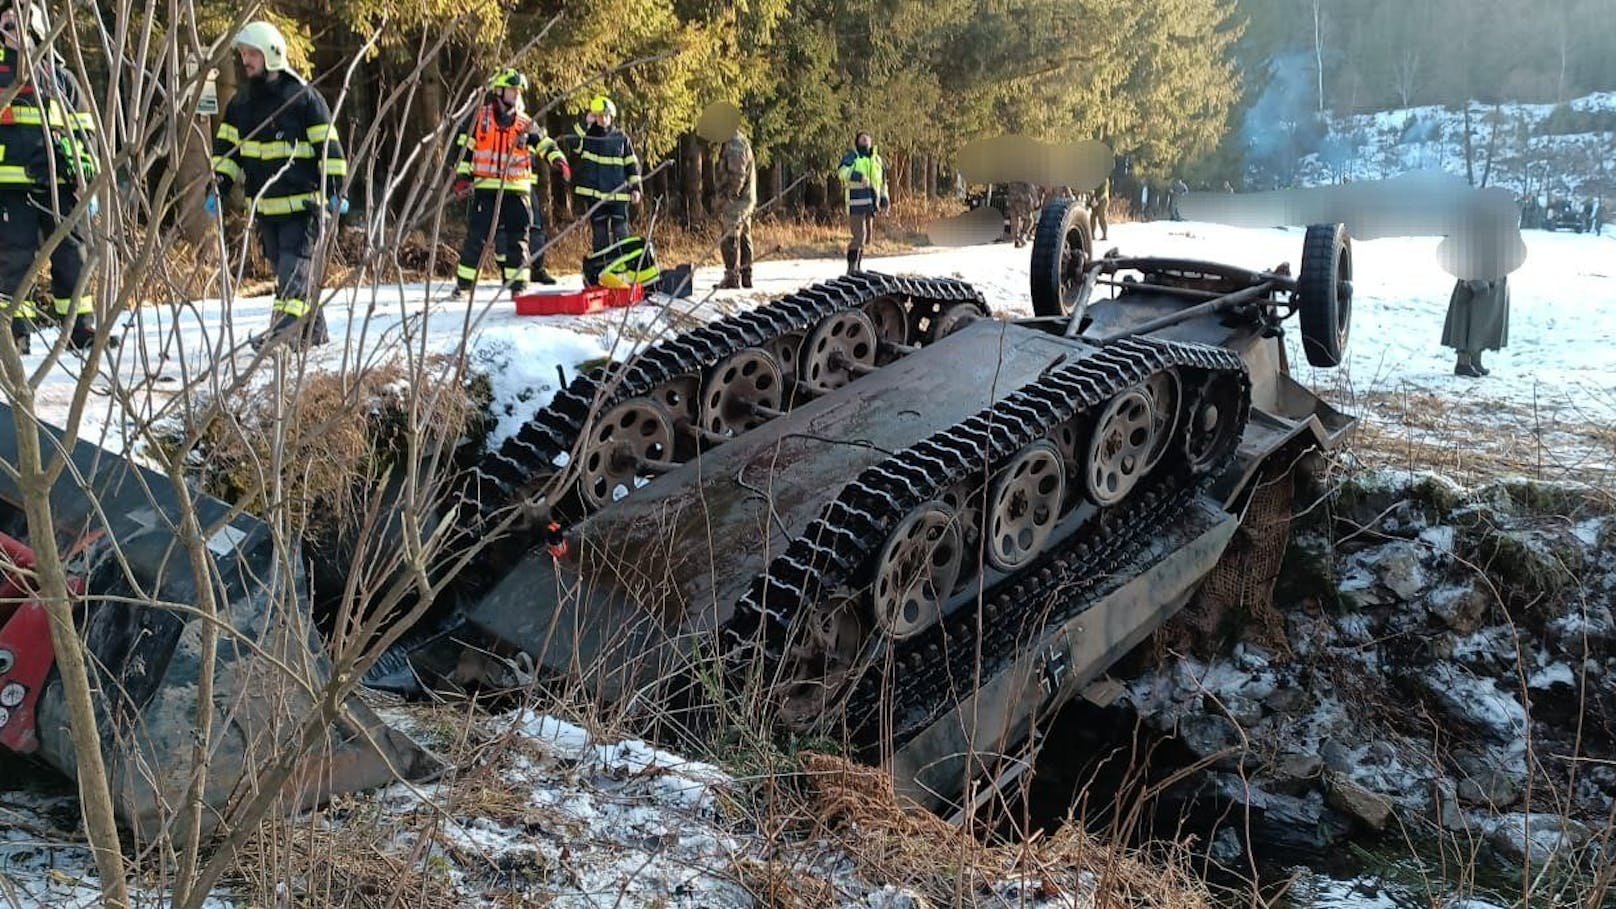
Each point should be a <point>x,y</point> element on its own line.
<point>1282,125</point>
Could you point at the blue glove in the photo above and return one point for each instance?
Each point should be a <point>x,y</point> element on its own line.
<point>94,208</point>
<point>211,204</point>
<point>338,205</point>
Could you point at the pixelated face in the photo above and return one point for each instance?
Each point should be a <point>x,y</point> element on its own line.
<point>510,95</point>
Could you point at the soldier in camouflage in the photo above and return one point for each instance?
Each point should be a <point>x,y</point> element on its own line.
<point>1021,200</point>
<point>735,179</point>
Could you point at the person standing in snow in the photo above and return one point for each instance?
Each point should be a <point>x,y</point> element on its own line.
<point>864,187</point>
<point>277,138</point>
<point>497,145</point>
<point>608,180</point>
<point>46,159</point>
<point>1175,192</point>
<point>1099,206</point>
<point>1478,320</point>
<point>735,180</point>
<point>1021,201</point>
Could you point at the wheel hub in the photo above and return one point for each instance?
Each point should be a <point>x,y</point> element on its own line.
<point>837,349</point>
<point>740,383</point>
<point>1120,450</point>
<point>917,570</point>
<point>627,433</point>
<point>1024,504</point>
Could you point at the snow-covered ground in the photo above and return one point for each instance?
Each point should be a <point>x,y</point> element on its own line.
<point>1549,402</point>
<point>1525,156</point>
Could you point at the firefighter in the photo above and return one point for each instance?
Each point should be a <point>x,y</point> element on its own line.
<point>277,138</point>
<point>864,184</point>
<point>46,158</point>
<point>497,146</point>
<point>607,181</point>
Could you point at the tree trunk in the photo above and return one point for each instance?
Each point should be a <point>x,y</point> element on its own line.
<point>709,180</point>
<point>770,182</point>
<point>690,204</point>
<point>1469,151</point>
<point>1318,49</point>
<point>931,176</point>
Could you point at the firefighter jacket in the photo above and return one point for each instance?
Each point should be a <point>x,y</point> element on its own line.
<point>277,138</point>
<point>863,196</point>
<point>605,168</point>
<point>45,133</point>
<point>496,151</point>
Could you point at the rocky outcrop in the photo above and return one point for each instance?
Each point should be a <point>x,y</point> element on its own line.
<point>1467,625</point>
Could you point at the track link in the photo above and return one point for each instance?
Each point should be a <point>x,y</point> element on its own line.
<point>546,443</point>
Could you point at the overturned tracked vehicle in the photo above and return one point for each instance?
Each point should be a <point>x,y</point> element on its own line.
<point>892,518</point>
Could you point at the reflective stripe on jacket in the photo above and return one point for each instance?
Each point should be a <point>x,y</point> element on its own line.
<point>44,133</point>
<point>277,138</point>
<point>606,167</point>
<point>864,196</point>
<point>500,156</point>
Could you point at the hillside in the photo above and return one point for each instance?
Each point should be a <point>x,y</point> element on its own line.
<point>1545,149</point>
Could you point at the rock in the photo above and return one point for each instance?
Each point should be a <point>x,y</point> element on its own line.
<point>1226,848</point>
<point>1206,735</point>
<point>1285,699</point>
<point>1530,565</point>
<point>1482,782</point>
<point>1495,790</point>
<point>1242,710</point>
<point>1475,702</point>
<point>1461,608</point>
<point>1295,774</point>
<point>890,897</point>
<point>1336,756</point>
<point>1368,808</point>
<point>1397,567</point>
<point>1538,838</point>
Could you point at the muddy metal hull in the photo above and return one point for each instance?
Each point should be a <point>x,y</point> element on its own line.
<point>144,640</point>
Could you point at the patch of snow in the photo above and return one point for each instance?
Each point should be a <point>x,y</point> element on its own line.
<point>1587,532</point>
<point>1440,538</point>
<point>1551,675</point>
<point>1479,700</point>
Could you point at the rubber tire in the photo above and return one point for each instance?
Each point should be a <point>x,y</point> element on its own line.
<point>1059,218</point>
<point>1324,293</point>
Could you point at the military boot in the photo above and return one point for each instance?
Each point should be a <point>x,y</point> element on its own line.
<point>746,276</point>
<point>746,260</point>
<point>1475,363</point>
<point>853,256</point>
<point>732,277</point>
<point>541,276</point>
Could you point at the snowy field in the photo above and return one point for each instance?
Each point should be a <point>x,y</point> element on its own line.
<point>1547,408</point>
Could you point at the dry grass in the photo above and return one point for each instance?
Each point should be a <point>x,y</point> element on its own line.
<point>333,434</point>
<point>897,842</point>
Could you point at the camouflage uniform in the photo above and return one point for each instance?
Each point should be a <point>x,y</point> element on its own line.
<point>1021,199</point>
<point>735,177</point>
<point>1098,203</point>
